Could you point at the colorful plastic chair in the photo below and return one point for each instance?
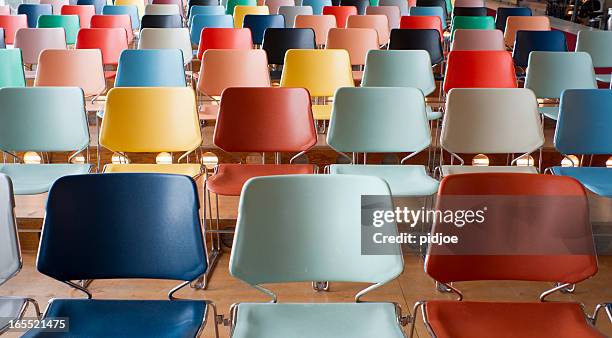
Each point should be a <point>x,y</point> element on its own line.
<point>470,11</point>
<point>84,12</point>
<point>502,14</point>
<point>320,24</point>
<point>140,5</point>
<point>277,41</point>
<point>583,128</point>
<point>471,22</point>
<point>110,41</point>
<point>543,41</point>
<point>472,69</point>
<point>70,24</point>
<point>130,10</point>
<point>32,41</point>
<point>11,68</point>
<point>98,4</point>
<point>356,41</point>
<point>177,3</point>
<point>11,24</point>
<point>162,9</point>
<point>192,3</point>
<point>291,12</point>
<point>130,246</point>
<point>468,4</point>
<point>201,21</point>
<point>205,10</point>
<point>56,4</point>
<point>360,5</point>
<point>274,5</point>
<point>418,39</point>
<point>341,13</point>
<point>167,38</point>
<point>478,39</point>
<point>422,22</point>
<point>550,73</point>
<point>224,38</point>
<point>317,5</point>
<point>524,23</point>
<point>380,23</point>
<point>599,45</point>
<point>430,11</point>
<point>161,21</point>
<point>114,21</point>
<point>241,11</point>
<point>231,4</point>
<point>392,13</point>
<point>33,11</point>
<point>43,120</point>
<point>442,4</point>
<point>258,24</point>
<point>150,68</point>
<point>5,10</point>
<point>400,4</point>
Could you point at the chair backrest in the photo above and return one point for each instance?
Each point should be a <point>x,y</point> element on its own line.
<point>478,39</point>
<point>110,41</point>
<point>43,119</point>
<point>341,13</point>
<point>10,253</point>
<point>205,10</point>
<point>32,41</point>
<point>400,4</point>
<point>291,12</point>
<point>258,24</point>
<point>56,4</point>
<point>277,41</point>
<point>317,5</point>
<point>221,69</point>
<point>11,68</point>
<point>265,120</point>
<point>193,3</point>
<point>275,208</point>
<point>399,68</point>
<point>392,13</point>
<point>130,10</point>
<point>471,22</point>
<point>598,44</point>
<point>550,73</point>
<point>241,11</point>
<point>98,4</point>
<point>320,24</point>
<point>360,5</point>
<point>167,38</point>
<point>356,41</point>
<point>584,123</point>
<point>177,3</point>
<point>322,72</point>
<point>151,119</point>
<point>162,9</point>
<point>502,14</point>
<point>33,11</point>
<point>5,9</point>
<point>378,22</point>
<point>524,23</point>
<point>11,24</point>
<point>274,5</point>
<point>71,68</point>
<point>70,24</point>
<point>84,12</point>
<point>491,121</point>
<point>231,4</point>
<point>418,39</point>
<point>429,11</point>
<point>469,4</point>
<point>529,41</point>
<point>150,68</point>
<point>470,11</point>
<point>479,69</point>
<point>422,22</point>
<point>434,3</point>
<point>114,21</point>
<point>202,21</point>
<point>2,42</point>
<point>161,21</point>
<point>369,120</point>
<point>129,228</point>
<point>557,206</point>
<point>140,5</point>
<point>224,38</point>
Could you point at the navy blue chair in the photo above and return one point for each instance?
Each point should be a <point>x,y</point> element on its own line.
<point>503,13</point>
<point>124,226</point>
<point>277,41</point>
<point>584,127</point>
<point>33,11</point>
<point>418,39</point>
<point>259,23</point>
<point>161,21</point>
<point>2,43</point>
<point>132,11</point>
<point>361,5</point>
<point>530,41</point>
<point>150,68</point>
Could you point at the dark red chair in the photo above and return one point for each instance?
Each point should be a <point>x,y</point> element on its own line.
<point>224,38</point>
<point>114,21</point>
<point>341,13</point>
<point>479,69</point>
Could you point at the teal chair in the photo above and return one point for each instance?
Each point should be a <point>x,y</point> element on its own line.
<point>472,22</point>
<point>229,7</point>
<point>599,45</point>
<point>550,73</point>
<point>300,228</point>
<point>11,68</point>
<point>42,119</point>
<point>382,120</point>
<point>317,5</point>
<point>70,24</point>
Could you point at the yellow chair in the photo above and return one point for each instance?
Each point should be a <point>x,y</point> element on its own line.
<point>140,4</point>
<point>153,119</point>
<point>241,11</point>
<point>322,72</point>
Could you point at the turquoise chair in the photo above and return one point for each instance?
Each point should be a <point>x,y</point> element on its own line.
<point>11,68</point>
<point>382,120</point>
<point>550,73</point>
<point>584,127</point>
<point>300,228</point>
<point>150,68</point>
<point>317,5</point>
<point>429,11</point>
<point>205,10</point>
<point>70,24</point>
<point>42,119</point>
<point>472,22</point>
<point>201,21</point>
<point>599,45</point>
<point>130,10</point>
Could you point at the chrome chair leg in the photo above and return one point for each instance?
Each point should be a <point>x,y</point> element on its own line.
<point>442,288</point>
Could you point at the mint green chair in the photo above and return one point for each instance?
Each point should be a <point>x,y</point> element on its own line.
<point>42,119</point>
<point>11,68</point>
<point>472,22</point>
<point>70,24</point>
<point>382,120</point>
<point>300,228</point>
<point>550,73</point>
<point>599,45</point>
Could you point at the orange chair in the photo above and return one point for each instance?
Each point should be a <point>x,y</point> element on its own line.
<point>524,23</point>
<point>114,21</point>
<point>357,42</point>
<point>110,41</point>
<point>320,24</point>
<point>11,24</point>
<point>479,69</point>
<point>422,22</point>
<point>85,12</point>
<point>378,22</point>
<point>341,13</point>
<point>224,38</point>
<point>525,236</point>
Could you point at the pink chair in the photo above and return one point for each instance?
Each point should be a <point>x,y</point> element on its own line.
<point>378,22</point>
<point>5,10</point>
<point>11,24</point>
<point>392,12</point>
<point>56,4</point>
<point>478,39</point>
<point>32,41</point>
<point>321,24</point>
<point>469,3</point>
<point>114,21</point>
<point>274,5</point>
<point>85,12</point>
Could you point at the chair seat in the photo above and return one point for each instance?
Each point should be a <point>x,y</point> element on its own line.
<point>126,318</point>
<point>321,111</point>
<point>331,320</point>
<point>607,78</point>
<point>596,179</point>
<point>10,308</point>
<point>230,177</point>
<point>550,112</point>
<point>404,180</point>
<point>432,114</point>
<point>465,169</point>
<point>30,179</point>
<point>188,169</point>
<point>459,319</point>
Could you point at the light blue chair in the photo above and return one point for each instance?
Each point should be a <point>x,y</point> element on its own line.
<point>42,119</point>
<point>150,68</point>
<point>205,10</point>
<point>317,5</point>
<point>300,228</point>
<point>130,10</point>
<point>584,127</point>
<point>599,45</point>
<point>11,68</point>
<point>429,11</point>
<point>202,21</point>
<point>382,120</point>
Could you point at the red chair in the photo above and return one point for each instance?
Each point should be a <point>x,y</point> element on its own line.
<point>224,38</point>
<point>85,12</point>
<point>536,229</point>
<point>11,24</point>
<point>422,22</point>
<point>341,13</point>
<point>479,69</point>
<point>110,41</point>
<point>114,21</point>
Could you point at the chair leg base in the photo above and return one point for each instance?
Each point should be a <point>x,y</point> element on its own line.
<point>320,286</point>
<point>442,288</point>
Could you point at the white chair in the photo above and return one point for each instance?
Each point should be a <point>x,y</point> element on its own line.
<point>162,9</point>
<point>167,38</point>
<point>599,45</point>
